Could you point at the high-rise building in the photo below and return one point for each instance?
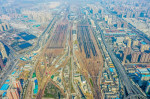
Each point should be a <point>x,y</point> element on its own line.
<point>144,47</point>
<point>142,59</point>
<point>135,43</point>
<point>109,21</point>
<point>126,52</point>
<point>106,17</point>
<point>1,28</point>
<point>3,51</point>
<point>134,57</point>
<point>145,57</point>
<point>4,26</point>
<point>149,58</point>
<point>119,25</point>
<point>7,26</point>
<point>137,14</point>
<point>129,43</point>
<point>1,62</point>
<point>125,25</point>
<point>129,14</point>
<point>127,38</point>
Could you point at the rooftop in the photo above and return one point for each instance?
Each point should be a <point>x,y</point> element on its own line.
<point>4,94</point>
<point>4,87</point>
<point>143,70</point>
<point>143,43</point>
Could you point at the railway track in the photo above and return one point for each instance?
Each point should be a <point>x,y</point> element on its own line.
<point>90,55</point>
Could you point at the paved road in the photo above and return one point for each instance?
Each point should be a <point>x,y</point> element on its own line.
<point>13,60</point>
<point>139,33</point>
<point>134,29</point>
<point>12,64</point>
<point>130,88</point>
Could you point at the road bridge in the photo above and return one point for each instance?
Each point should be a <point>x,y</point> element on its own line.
<point>131,90</point>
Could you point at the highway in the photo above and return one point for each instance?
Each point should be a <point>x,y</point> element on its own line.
<point>12,61</point>
<point>129,87</point>
<point>10,66</point>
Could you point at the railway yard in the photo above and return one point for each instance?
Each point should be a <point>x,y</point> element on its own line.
<point>67,63</point>
<point>89,56</point>
<point>53,57</point>
<point>74,51</point>
<point>71,63</point>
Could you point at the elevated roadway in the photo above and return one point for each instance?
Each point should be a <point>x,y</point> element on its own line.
<point>130,89</point>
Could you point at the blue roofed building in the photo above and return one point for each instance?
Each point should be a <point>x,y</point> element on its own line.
<point>7,80</point>
<point>35,90</point>
<point>111,69</point>
<point>143,71</point>
<point>4,87</point>
<point>4,94</point>
<point>143,43</point>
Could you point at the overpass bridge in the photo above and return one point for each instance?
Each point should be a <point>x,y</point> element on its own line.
<point>131,91</point>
